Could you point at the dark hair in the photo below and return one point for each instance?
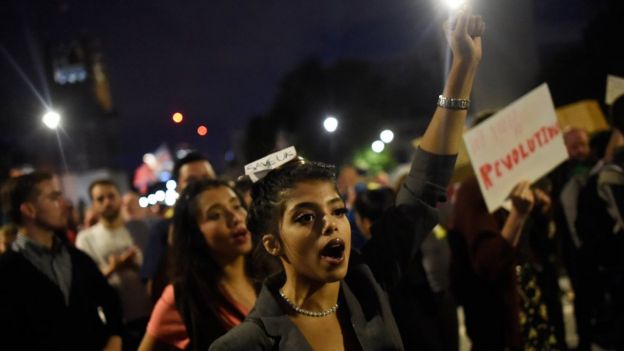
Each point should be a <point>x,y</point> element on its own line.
<point>617,114</point>
<point>193,265</point>
<point>192,156</point>
<point>20,189</point>
<point>371,204</point>
<point>268,205</point>
<point>243,185</point>
<point>101,182</point>
<point>598,144</point>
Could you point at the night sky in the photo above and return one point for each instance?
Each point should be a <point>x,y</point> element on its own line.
<point>218,62</point>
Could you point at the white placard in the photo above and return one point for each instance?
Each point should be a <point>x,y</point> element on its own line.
<point>521,142</point>
<point>615,89</point>
<point>256,170</point>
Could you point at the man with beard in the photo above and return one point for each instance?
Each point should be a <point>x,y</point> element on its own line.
<point>52,296</point>
<point>110,245</point>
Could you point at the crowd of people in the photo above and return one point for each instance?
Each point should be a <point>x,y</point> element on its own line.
<point>302,258</point>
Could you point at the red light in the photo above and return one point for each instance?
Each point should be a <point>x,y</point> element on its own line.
<point>177,117</point>
<point>202,130</point>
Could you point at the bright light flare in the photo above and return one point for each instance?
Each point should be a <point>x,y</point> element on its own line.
<point>202,130</point>
<point>454,4</point>
<point>143,202</point>
<point>378,146</point>
<point>386,136</point>
<point>171,184</point>
<point>51,119</point>
<point>160,196</point>
<point>177,117</point>
<point>330,124</point>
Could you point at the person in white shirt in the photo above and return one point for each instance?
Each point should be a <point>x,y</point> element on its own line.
<point>110,245</point>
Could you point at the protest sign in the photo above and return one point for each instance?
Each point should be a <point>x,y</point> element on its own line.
<point>584,114</point>
<point>615,88</point>
<point>521,142</point>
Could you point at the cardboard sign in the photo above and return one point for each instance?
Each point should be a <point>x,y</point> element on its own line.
<point>615,89</point>
<point>584,114</point>
<point>521,142</point>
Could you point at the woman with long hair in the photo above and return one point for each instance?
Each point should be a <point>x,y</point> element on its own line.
<point>327,296</point>
<point>212,290</point>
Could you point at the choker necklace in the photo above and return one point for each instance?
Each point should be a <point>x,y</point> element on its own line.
<point>307,312</point>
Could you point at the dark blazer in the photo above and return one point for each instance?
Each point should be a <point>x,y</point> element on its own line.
<point>34,315</point>
<point>389,253</point>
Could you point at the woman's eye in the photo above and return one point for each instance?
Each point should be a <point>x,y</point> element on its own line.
<point>213,216</point>
<point>340,212</point>
<point>304,218</point>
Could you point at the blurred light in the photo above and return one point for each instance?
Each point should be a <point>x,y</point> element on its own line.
<point>170,197</point>
<point>182,153</point>
<point>164,176</point>
<point>454,4</point>
<point>51,119</point>
<point>149,159</point>
<point>330,124</point>
<point>386,136</point>
<point>378,146</point>
<point>202,130</point>
<point>143,202</point>
<point>160,195</point>
<point>171,184</point>
<point>177,117</point>
<point>151,199</point>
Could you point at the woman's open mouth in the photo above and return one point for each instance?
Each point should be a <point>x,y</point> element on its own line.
<point>334,251</point>
<point>240,235</point>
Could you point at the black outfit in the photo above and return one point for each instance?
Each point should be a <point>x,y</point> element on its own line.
<point>35,316</point>
<point>389,254</point>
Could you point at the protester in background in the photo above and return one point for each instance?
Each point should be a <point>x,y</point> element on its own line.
<point>369,207</point>
<point>243,187</point>
<point>110,245</point>
<point>600,228</point>
<point>212,289</point>
<point>326,297</point>
<point>192,167</point>
<point>8,234</point>
<point>52,296</point>
<point>494,269</point>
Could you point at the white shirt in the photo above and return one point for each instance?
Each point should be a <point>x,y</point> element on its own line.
<point>100,242</point>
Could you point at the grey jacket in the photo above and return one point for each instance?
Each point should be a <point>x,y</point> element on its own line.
<point>395,242</point>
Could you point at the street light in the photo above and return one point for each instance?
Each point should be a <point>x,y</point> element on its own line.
<point>330,124</point>
<point>378,146</point>
<point>454,4</point>
<point>51,119</point>
<point>386,136</point>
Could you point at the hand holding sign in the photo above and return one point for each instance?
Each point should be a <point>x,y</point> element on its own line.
<point>521,142</point>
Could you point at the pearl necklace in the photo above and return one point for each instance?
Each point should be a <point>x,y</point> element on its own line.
<point>307,312</point>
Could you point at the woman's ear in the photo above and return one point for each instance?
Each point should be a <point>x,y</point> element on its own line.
<point>272,245</point>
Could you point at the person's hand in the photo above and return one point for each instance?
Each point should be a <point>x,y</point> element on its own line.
<point>127,258</point>
<point>114,264</point>
<point>464,35</point>
<point>542,200</point>
<point>522,198</point>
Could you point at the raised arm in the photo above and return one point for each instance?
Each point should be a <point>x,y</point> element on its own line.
<point>443,135</point>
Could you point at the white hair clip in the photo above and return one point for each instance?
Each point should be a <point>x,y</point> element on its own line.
<point>259,168</point>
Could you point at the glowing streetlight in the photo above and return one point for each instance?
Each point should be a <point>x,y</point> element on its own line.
<point>378,146</point>
<point>202,130</point>
<point>386,136</point>
<point>330,124</point>
<point>177,117</point>
<point>143,202</point>
<point>454,4</point>
<point>51,119</point>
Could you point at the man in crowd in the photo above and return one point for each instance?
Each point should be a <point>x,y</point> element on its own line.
<point>192,167</point>
<point>110,245</point>
<point>52,296</point>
